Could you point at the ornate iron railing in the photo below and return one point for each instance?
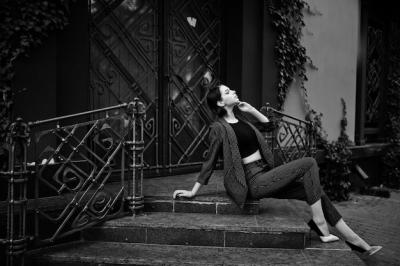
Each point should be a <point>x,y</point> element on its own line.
<point>79,170</point>
<point>292,138</point>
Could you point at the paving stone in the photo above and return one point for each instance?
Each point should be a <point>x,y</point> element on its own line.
<point>229,208</point>
<point>315,243</point>
<point>331,257</point>
<point>195,207</point>
<point>179,236</point>
<point>287,240</point>
<point>158,205</point>
<point>115,234</point>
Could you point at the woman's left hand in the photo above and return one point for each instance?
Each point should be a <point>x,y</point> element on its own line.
<point>245,107</point>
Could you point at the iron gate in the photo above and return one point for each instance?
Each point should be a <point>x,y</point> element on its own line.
<point>159,51</point>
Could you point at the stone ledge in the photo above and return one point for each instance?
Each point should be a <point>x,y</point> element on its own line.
<point>153,204</point>
<point>204,229</point>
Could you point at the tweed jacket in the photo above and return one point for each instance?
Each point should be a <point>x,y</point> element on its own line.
<point>223,139</point>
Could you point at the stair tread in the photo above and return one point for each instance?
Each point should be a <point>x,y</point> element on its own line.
<point>145,254</point>
<point>255,223</point>
<point>218,197</point>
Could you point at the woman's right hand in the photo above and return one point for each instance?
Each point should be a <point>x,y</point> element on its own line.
<point>183,193</point>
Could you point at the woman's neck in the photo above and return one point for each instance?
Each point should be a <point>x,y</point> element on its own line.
<point>230,116</point>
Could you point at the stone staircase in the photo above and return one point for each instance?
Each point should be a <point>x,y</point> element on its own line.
<point>208,230</point>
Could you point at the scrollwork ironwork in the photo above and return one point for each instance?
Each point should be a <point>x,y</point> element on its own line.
<point>292,138</point>
<point>78,170</point>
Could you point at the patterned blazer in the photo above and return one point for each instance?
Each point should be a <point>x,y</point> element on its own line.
<point>223,139</point>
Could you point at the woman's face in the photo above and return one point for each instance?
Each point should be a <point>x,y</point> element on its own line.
<point>228,96</point>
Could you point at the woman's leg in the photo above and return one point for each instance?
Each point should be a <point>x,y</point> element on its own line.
<point>350,235</point>
<point>275,181</point>
<point>319,218</point>
<point>296,191</point>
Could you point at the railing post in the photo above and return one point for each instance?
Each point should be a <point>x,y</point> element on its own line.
<point>269,112</point>
<point>312,139</point>
<point>17,178</point>
<point>136,111</point>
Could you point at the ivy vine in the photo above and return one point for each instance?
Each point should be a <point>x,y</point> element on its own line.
<point>335,175</point>
<point>290,55</point>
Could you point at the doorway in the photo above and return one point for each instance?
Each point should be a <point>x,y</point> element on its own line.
<point>159,51</point>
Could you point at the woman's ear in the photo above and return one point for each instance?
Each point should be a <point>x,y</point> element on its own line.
<point>220,103</point>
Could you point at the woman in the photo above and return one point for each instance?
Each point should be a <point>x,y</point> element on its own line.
<point>248,169</point>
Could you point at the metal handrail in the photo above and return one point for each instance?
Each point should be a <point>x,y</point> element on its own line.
<point>269,108</point>
<point>60,118</point>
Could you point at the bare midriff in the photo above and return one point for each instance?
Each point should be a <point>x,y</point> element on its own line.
<point>252,157</point>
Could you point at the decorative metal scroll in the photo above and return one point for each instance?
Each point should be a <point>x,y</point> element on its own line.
<point>79,171</point>
<point>81,168</point>
<point>292,138</point>
<point>74,164</point>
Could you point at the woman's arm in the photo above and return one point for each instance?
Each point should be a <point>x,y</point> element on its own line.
<point>208,165</point>
<point>259,116</point>
<point>262,123</point>
<point>248,108</point>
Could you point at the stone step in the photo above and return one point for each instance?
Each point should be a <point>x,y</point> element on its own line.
<point>211,198</point>
<point>201,204</point>
<point>109,253</point>
<point>202,229</point>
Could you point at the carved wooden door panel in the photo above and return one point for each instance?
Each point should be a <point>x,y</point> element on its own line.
<point>158,51</point>
<point>194,48</point>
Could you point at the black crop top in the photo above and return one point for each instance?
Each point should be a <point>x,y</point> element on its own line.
<point>246,138</point>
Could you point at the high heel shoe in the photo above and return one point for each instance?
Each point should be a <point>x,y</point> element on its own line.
<point>363,251</point>
<point>325,239</point>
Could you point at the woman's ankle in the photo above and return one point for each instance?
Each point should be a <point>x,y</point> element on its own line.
<point>358,241</point>
<point>322,225</point>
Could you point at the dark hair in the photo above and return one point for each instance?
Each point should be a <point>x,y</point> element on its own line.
<point>213,96</point>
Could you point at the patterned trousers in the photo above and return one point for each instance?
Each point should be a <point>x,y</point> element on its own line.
<point>298,179</point>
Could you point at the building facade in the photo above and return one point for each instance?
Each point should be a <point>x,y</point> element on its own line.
<point>160,51</point>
